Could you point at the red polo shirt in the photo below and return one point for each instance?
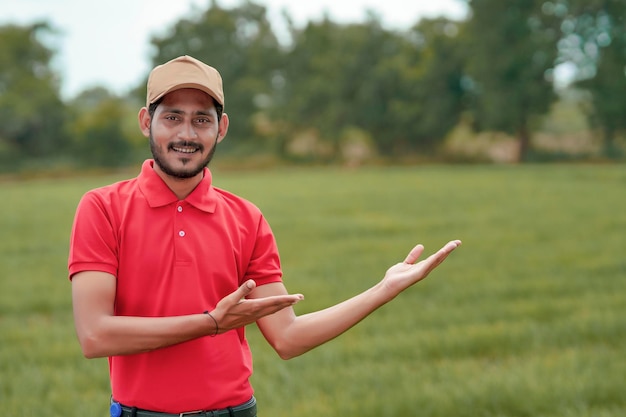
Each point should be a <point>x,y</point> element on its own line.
<point>173,257</point>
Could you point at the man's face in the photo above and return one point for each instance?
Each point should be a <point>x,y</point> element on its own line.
<point>184,132</point>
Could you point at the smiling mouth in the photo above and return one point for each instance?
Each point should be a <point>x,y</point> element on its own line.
<point>186,148</point>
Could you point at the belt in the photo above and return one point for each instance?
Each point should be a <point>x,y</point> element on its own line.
<point>247,409</point>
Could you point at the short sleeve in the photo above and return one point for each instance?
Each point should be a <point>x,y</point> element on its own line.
<point>264,266</point>
<point>93,241</point>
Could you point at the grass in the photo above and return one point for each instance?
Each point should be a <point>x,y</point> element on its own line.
<point>525,319</point>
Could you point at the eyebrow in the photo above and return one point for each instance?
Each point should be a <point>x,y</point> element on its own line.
<point>181,112</point>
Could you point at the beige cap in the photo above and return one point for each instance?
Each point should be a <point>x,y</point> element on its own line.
<point>184,72</point>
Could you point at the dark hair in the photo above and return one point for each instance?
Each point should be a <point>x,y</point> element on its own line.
<point>218,108</point>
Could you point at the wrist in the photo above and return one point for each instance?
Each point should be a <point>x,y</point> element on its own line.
<point>217,327</point>
<point>382,293</point>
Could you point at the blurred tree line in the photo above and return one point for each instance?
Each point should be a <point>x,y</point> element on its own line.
<point>337,92</point>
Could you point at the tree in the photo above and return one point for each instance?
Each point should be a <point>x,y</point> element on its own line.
<point>97,130</point>
<point>31,111</point>
<point>595,40</point>
<point>330,81</point>
<point>402,89</point>
<point>511,51</point>
<point>432,89</point>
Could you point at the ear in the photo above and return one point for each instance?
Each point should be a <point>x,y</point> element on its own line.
<point>144,121</point>
<point>223,128</point>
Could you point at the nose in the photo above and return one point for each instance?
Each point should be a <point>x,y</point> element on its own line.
<point>187,132</point>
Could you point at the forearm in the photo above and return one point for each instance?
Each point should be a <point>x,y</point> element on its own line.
<point>122,335</point>
<point>310,330</point>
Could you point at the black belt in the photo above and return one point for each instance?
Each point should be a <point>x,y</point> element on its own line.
<point>248,409</point>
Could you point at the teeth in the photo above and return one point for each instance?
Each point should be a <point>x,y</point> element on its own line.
<point>185,150</point>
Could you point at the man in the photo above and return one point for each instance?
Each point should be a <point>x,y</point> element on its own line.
<point>167,270</point>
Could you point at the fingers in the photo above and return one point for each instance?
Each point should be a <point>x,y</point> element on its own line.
<point>442,253</point>
<point>238,295</point>
<point>447,249</point>
<point>281,301</point>
<point>269,305</point>
<point>452,245</point>
<point>414,255</point>
<point>250,310</point>
<point>245,289</point>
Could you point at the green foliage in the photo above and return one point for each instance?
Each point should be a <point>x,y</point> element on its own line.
<point>320,91</point>
<point>436,101</point>
<point>511,49</point>
<point>405,93</point>
<point>335,92</point>
<point>525,319</point>
<point>97,129</point>
<point>597,42</point>
<point>31,111</point>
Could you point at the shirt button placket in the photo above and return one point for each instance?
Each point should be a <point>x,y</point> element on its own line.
<point>181,232</point>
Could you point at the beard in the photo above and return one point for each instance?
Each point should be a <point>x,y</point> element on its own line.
<point>189,171</point>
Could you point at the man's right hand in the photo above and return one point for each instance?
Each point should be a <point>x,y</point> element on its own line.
<point>234,310</point>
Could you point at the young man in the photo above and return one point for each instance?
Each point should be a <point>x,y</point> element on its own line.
<point>167,270</point>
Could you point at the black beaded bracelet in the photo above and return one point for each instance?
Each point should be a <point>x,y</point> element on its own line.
<point>217,328</point>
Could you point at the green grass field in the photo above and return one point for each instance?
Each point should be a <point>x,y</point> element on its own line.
<point>527,318</point>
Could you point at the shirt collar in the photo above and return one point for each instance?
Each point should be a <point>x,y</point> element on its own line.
<point>158,194</point>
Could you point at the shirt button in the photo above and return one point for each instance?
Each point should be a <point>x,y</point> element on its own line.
<point>180,209</point>
<point>181,233</point>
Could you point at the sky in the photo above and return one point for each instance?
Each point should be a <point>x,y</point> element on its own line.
<point>107,43</point>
